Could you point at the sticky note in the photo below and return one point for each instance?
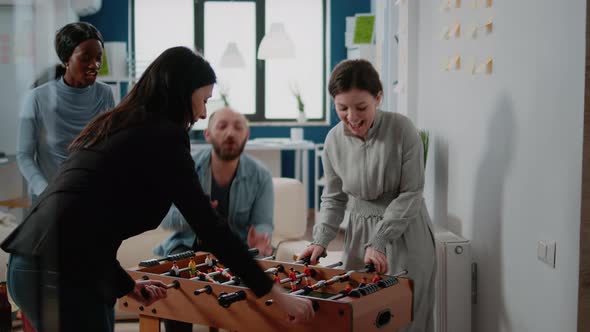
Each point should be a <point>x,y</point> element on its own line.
<point>486,67</point>
<point>489,26</point>
<point>454,63</point>
<point>444,34</point>
<point>456,30</point>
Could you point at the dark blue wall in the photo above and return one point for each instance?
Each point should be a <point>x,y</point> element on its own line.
<point>112,21</point>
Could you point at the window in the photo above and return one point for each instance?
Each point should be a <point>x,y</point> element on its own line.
<point>260,89</point>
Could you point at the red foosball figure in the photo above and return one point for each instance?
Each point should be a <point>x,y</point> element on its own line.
<point>192,268</point>
<point>175,271</point>
<point>363,282</point>
<point>348,288</point>
<point>293,277</point>
<point>307,273</point>
<point>376,278</point>
<point>276,278</point>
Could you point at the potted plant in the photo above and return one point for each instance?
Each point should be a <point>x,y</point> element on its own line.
<point>425,137</point>
<point>301,118</point>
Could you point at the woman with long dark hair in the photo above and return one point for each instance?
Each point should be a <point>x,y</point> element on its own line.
<point>126,169</point>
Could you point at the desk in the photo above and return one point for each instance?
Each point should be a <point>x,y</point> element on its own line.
<point>301,149</point>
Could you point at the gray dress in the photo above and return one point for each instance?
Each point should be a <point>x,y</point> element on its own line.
<point>379,182</point>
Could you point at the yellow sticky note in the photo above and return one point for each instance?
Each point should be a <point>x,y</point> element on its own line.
<point>456,30</point>
<point>446,65</point>
<point>455,63</point>
<point>486,67</point>
<point>489,26</point>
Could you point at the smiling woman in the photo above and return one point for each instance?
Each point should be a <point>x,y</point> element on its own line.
<point>55,112</point>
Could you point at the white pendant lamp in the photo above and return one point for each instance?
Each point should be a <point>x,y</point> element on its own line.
<point>232,58</point>
<point>276,44</point>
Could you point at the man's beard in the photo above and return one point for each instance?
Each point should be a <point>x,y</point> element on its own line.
<point>226,155</point>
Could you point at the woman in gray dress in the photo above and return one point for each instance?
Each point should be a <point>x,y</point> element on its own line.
<point>374,170</point>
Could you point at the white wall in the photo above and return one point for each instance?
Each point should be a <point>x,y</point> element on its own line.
<point>505,164</point>
<point>31,26</point>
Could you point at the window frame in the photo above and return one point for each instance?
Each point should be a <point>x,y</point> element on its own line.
<point>260,112</point>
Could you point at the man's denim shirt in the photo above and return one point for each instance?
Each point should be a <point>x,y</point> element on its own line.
<point>251,202</point>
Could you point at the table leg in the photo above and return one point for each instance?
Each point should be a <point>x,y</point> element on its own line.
<point>149,324</point>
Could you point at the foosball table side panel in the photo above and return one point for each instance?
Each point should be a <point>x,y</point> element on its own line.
<point>388,309</point>
<point>251,314</point>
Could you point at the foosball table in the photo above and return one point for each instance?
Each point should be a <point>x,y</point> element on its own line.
<point>203,291</point>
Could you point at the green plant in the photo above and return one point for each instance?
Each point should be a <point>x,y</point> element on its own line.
<point>223,93</point>
<point>425,136</point>
<point>297,94</point>
<point>224,98</point>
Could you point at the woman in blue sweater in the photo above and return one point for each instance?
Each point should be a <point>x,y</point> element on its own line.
<point>55,113</point>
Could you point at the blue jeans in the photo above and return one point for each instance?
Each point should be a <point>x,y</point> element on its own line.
<point>49,308</point>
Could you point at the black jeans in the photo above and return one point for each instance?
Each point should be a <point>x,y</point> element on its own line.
<point>48,307</point>
<point>174,325</point>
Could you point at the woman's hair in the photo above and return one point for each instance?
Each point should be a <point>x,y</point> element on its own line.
<point>354,74</point>
<point>165,89</point>
<point>69,37</point>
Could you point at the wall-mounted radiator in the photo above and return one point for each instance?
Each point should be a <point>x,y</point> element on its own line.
<point>452,309</point>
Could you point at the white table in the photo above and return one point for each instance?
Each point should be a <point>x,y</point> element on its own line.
<point>301,149</point>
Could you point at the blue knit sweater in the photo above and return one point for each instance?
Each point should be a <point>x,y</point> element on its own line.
<point>52,117</point>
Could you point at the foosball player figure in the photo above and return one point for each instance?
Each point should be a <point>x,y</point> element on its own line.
<point>363,282</point>
<point>192,268</point>
<point>293,277</point>
<point>174,271</point>
<point>376,278</point>
<point>348,288</point>
<point>223,272</point>
<point>307,273</point>
<point>276,278</point>
<point>209,263</point>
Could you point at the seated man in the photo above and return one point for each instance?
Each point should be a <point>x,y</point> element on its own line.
<point>240,188</point>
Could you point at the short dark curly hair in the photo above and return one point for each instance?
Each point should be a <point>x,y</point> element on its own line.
<point>72,35</point>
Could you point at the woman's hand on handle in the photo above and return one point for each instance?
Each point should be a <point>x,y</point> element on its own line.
<point>314,252</point>
<point>377,258</point>
<point>299,309</point>
<point>147,292</point>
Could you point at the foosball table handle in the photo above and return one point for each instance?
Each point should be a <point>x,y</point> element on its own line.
<point>226,299</point>
<point>146,295</point>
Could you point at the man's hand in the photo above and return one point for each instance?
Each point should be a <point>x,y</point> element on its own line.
<point>259,241</point>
